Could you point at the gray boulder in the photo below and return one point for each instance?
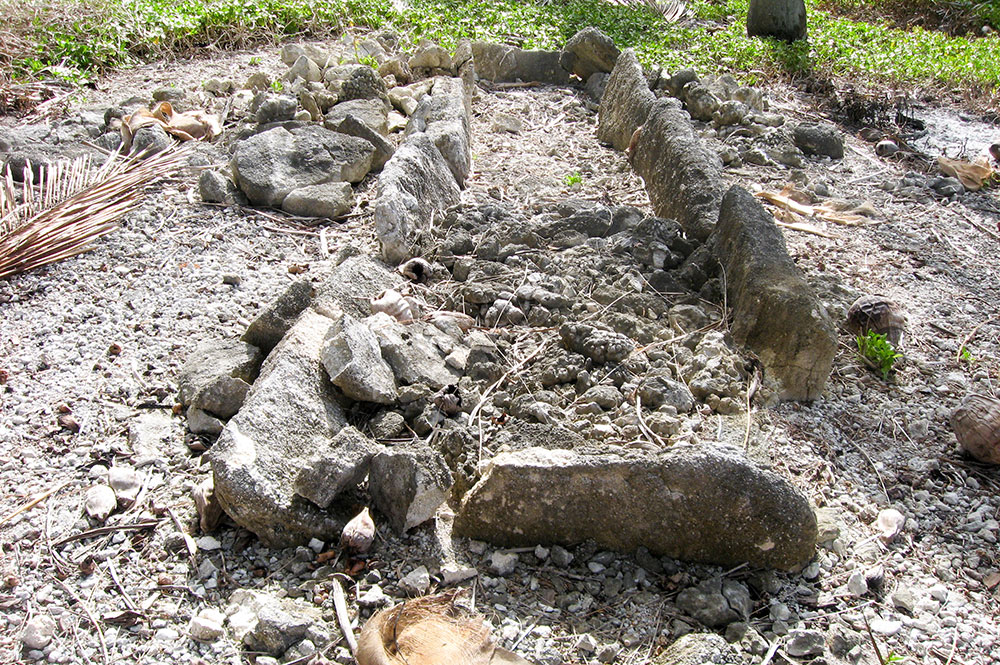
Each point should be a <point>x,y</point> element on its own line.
<point>150,140</point>
<point>698,649</point>
<point>408,485</point>
<point>354,362</point>
<point>328,199</point>
<point>701,102</point>
<point>351,285</point>
<point>341,466</point>
<point>411,352</point>
<point>372,112</point>
<point>500,63</point>
<point>273,322</point>
<point>589,51</point>
<point>776,314</point>
<point>626,102</point>
<point>276,108</point>
<point>813,138</point>
<point>416,185</point>
<point>216,187</point>
<point>445,116</point>
<point>683,178</point>
<point>288,419</point>
<point>306,68</point>
<point>354,126</point>
<point>688,502</point>
<point>217,376</point>
<point>269,165</point>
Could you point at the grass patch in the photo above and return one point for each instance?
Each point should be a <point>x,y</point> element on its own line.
<point>78,38</point>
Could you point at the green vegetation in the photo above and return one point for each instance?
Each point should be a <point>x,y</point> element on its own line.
<point>877,353</point>
<point>573,179</point>
<point>80,37</point>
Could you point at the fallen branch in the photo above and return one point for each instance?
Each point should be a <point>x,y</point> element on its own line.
<point>101,530</point>
<point>340,605</point>
<point>31,504</point>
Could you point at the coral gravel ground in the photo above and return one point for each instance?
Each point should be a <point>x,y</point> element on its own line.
<point>100,339</point>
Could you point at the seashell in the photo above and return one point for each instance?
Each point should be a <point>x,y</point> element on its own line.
<point>977,425</point>
<point>886,147</point>
<point>359,533</point>
<point>890,524</point>
<point>430,631</point>
<point>448,400</point>
<point>416,269</point>
<point>394,304</point>
<point>444,317</point>
<point>877,314</point>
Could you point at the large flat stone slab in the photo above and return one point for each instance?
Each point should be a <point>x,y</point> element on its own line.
<point>501,63</point>
<point>776,314</point>
<point>289,419</point>
<point>445,116</point>
<point>688,502</point>
<point>683,178</point>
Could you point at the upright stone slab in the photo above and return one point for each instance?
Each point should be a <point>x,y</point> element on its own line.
<point>589,51</point>
<point>776,314</point>
<point>500,63</point>
<point>416,185</point>
<point>626,102</point>
<point>279,315</point>
<point>683,178</point>
<point>288,419</point>
<point>445,115</point>
<point>688,502</point>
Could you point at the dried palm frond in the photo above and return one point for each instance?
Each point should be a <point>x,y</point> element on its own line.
<point>672,11</point>
<point>71,205</point>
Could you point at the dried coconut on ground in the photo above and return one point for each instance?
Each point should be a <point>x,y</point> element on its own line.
<point>178,274</point>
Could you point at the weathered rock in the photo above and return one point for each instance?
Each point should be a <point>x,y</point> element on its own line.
<point>259,456</point>
<point>290,53</point>
<point>354,362</point>
<point>326,200</point>
<point>683,178</point>
<point>350,287</point>
<point>384,150</point>
<point>217,376</point>
<point>806,643</point>
<point>815,139</point>
<point>597,83</point>
<point>273,322</point>
<point>597,343</point>
<point>695,504</point>
<point>589,51</point>
<point>358,82</point>
<point>100,501</point>
<point>150,140</point>
<point>269,165</point>
<point>408,485</point>
<point>416,185</point>
<point>697,649</point>
<point>781,19</point>
<point>776,314</point>
<point>276,108</point>
<point>152,438</point>
<point>215,187</point>
<point>341,466</point>
<point>430,56</point>
<point>306,68</point>
<point>206,626</point>
<point>276,630</point>
<point>501,63</point>
<point>626,103</point>
<point>410,351</point>
<point>38,632</point>
<point>372,112</point>
<point>445,116</point>
<point>711,609</point>
<point>700,101</point>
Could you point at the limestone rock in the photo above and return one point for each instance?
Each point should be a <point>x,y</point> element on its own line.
<point>354,362</point>
<point>206,626</point>
<point>327,200</point>
<point>269,165</point>
<point>341,466</point>
<point>589,51</point>
<point>683,178</point>
<point>351,285</point>
<point>700,101</point>
<point>776,314</point>
<point>305,68</point>
<point>384,150</point>
<point>408,485</point>
<point>273,322</point>
<point>38,632</point>
<point>215,187</point>
<point>152,438</point>
<point>813,138</point>
<point>217,376</point>
<point>445,116</point>
<point>276,108</point>
<point>259,456</point>
<point>100,501</point>
<point>372,112</point>
<point>697,649</point>
<point>711,506</point>
<point>626,102</point>
<point>501,63</point>
<point>411,352</point>
<point>416,185</point>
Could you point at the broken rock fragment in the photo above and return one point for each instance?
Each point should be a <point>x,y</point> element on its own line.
<point>354,362</point>
<point>408,485</point>
<point>217,376</point>
<point>688,502</point>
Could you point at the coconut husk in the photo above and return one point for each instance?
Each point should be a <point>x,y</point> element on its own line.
<point>433,630</point>
<point>190,126</point>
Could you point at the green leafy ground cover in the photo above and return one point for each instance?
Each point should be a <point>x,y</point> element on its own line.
<point>75,39</point>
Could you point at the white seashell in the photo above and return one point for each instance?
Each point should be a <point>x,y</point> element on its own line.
<point>890,524</point>
<point>126,483</point>
<point>393,303</point>
<point>100,502</point>
<point>416,269</point>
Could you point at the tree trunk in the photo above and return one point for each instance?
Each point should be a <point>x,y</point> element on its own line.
<point>782,19</point>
